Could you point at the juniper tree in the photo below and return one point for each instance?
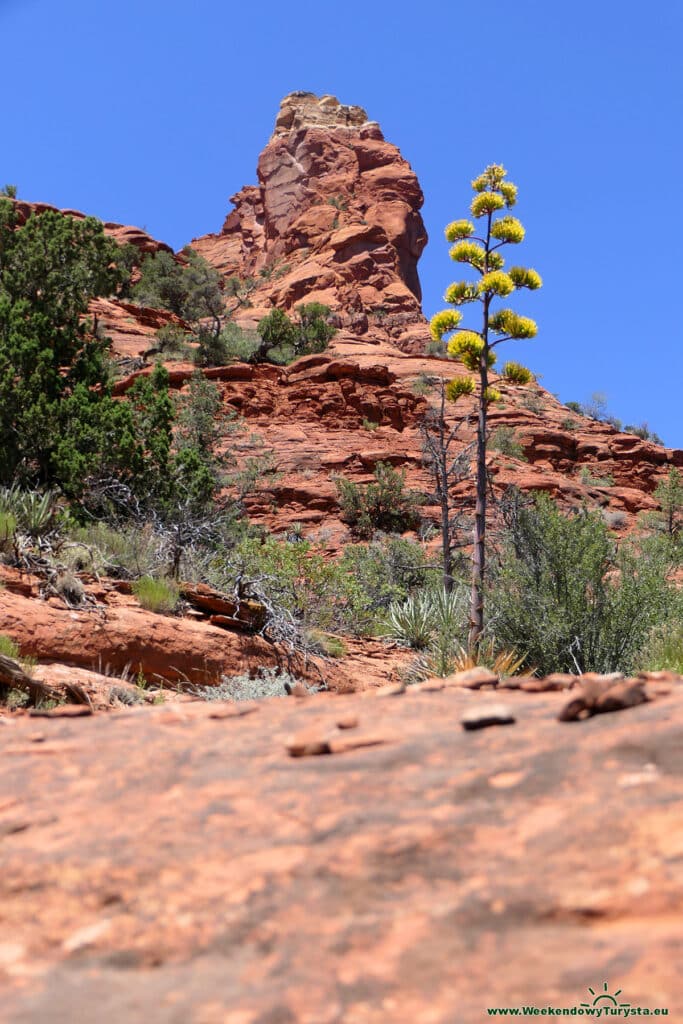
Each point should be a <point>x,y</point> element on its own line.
<point>475,348</point>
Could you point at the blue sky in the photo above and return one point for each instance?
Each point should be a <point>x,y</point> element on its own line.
<point>153,112</point>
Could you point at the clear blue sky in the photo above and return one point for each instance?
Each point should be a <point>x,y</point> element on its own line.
<point>153,112</point>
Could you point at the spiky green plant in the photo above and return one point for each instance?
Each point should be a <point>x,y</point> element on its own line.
<point>475,348</point>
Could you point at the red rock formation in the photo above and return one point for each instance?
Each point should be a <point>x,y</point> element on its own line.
<point>123,234</point>
<point>335,219</point>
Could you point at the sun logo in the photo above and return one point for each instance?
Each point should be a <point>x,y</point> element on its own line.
<point>604,998</point>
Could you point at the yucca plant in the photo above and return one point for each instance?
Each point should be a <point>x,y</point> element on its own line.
<point>426,616</point>
<point>411,622</point>
<point>35,512</point>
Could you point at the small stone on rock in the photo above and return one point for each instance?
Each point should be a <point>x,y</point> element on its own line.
<point>483,715</point>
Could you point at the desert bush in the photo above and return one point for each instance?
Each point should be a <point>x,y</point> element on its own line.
<point>504,440</point>
<point>283,340</point>
<point>233,344</point>
<point>589,480</point>
<point>615,520</point>
<point>566,595</point>
<point>156,595</point>
<point>191,289</point>
<point>172,342</point>
<point>411,622</point>
<point>385,504</point>
<point>533,403</point>
<point>446,655</point>
<point>423,384</point>
<point>663,648</point>
<point>126,552</point>
<point>8,647</point>
<point>643,431</point>
<point>326,644</point>
<point>378,574</point>
<point>268,682</point>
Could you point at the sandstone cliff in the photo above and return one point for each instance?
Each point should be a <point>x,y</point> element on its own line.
<point>335,218</point>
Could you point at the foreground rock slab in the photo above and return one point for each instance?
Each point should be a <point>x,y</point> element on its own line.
<point>161,864</point>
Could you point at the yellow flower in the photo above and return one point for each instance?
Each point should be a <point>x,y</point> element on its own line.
<point>492,395</point>
<point>509,193</point>
<point>497,283</point>
<point>442,323</point>
<point>506,321</point>
<point>468,252</point>
<point>459,229</point>
<point>486,202</point>
<point>491,178</point>
<point>525,277</point>
<point>467,346</point>
<point>461,292</point>
<point>459,386</point>
<point>517,374</point>
<point>508,229</point>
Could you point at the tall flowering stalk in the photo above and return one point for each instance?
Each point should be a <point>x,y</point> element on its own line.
<point>475,348</point>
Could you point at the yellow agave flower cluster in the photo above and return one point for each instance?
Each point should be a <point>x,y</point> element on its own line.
<point>506,321</point>
<point>492,193</point>
<point>515,373</point>
<point>467,346</point>
<point>459,229</point>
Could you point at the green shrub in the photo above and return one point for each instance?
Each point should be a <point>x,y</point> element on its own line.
<point>385,504</point>
<point>568,596</point>
<point>156,595</point>
<point>327,644</point>
<point>172,342</point>
<point>191,289</point>
<point>233,344</point>
<point>8,647</point>
<point>124,553</point>
<point>369,425</point>
<point>299,582</point>
<point>8,529</point>
<point>423,384</point>
<point>283,340</point>
<point>663,649</point>
<point>504,440</point>
<point>378,574</point>
<point>588,480</point>
<point>643,431</point>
